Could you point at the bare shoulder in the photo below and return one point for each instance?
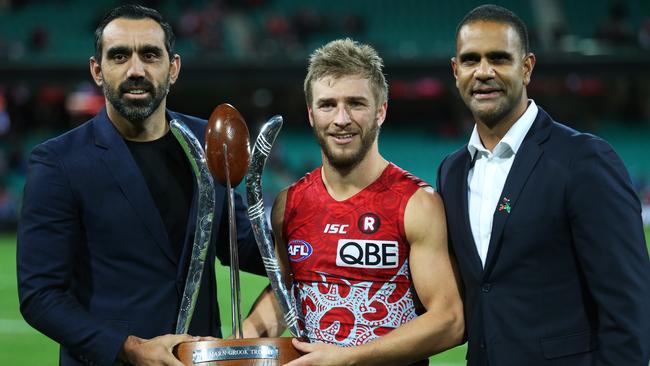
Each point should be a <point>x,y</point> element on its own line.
<point>424,217</point>
<point>425,201</point>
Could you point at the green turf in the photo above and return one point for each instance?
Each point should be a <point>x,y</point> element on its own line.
<point>19,343</point>
<point>22,345</point>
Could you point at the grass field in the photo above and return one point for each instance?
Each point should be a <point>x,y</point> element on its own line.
<point>22,345</point>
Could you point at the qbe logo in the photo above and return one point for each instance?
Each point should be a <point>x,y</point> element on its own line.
<point>361,253</point>
<point>299,250</point>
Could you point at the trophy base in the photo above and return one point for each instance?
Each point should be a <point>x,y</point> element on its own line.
<point>237,352</point>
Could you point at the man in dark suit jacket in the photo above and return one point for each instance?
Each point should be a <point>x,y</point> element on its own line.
<point>543,220</point>
<point>110,210</point>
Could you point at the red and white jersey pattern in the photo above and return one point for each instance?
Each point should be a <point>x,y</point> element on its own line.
<point>349,259</point>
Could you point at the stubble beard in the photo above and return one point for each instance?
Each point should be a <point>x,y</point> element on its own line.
<point>347,162</point>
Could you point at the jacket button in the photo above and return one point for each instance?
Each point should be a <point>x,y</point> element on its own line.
<point>486,287</point>
<point>482,345</point>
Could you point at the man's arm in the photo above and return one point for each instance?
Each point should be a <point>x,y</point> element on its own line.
<point>50,236</point>
<point>436,282</point>
<point>607,230</point>
<point>265,317</point>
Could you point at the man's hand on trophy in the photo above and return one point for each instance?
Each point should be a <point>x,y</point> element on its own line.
<point>155,352</point>
<point>265,318</point>
<point>322,354</point>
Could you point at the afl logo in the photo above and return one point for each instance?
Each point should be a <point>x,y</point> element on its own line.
<point>368,223</point>
<point>299,250</point>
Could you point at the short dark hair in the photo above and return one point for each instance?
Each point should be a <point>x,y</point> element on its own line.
<point>499,14</point>
<point>132,11</point>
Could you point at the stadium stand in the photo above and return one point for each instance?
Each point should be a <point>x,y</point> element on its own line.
<point>252,53</point>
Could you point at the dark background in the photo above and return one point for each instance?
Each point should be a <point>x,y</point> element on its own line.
<point>592,73</point>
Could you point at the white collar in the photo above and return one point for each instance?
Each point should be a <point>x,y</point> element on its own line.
<point>513,138</point>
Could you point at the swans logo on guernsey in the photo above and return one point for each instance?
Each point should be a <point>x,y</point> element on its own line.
<point>299,250</point>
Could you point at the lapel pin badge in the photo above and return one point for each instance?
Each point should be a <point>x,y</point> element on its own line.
<point>505,205</point>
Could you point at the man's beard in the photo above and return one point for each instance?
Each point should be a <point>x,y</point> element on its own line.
<point>136,111</point>
<point>347,162</point>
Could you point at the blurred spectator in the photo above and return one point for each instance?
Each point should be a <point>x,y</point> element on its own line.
<point>278,39</point>
<point>616,31</point>
<point>189,24</point>
<point>308,22</point>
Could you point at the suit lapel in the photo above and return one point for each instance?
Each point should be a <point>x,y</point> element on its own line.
<point>120,162</point>
<point>458,182</point>
<point>525,160</point>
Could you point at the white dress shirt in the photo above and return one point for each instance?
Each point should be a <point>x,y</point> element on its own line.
<point>488,176</point>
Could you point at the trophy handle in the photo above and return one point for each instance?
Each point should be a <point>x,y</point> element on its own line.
<point>203,231</point>
<point>256,214</point>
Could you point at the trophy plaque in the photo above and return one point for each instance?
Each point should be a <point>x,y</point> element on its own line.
<point>226,158</point>
<point>238,352</point>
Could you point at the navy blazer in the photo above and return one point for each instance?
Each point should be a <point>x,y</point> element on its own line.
<point>93,257</point>
<point>567,276</point>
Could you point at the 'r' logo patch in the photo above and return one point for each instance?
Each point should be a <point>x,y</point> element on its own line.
<point>369,223</point>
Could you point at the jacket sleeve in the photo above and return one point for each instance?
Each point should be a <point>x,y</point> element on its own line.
<point>50,235</point>
<point>250,259</point>
<point>610,245</point>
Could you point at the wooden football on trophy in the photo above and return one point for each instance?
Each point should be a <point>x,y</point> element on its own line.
<point>226,126</point>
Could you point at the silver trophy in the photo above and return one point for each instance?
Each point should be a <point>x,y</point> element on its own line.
<point>221,160</point>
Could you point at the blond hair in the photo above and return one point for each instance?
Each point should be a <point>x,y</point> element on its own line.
<point>345,57</point>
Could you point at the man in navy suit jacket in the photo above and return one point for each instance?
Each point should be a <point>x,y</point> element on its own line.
<point>109,213</point>
<point>543,220</point>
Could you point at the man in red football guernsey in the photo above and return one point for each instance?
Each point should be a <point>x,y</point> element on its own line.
<point>364,241</point>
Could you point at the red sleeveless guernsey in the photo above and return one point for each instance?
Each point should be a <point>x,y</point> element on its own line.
<point>349,259</point>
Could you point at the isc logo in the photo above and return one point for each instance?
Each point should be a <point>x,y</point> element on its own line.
<point>361,253</point>
<point>299,250</point>
<point>336,229</point>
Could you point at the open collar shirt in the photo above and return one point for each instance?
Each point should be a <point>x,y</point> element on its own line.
<point>488,175</point>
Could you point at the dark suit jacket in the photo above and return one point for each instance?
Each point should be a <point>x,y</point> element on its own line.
<point>93,257</point>
<point>567,276</point>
